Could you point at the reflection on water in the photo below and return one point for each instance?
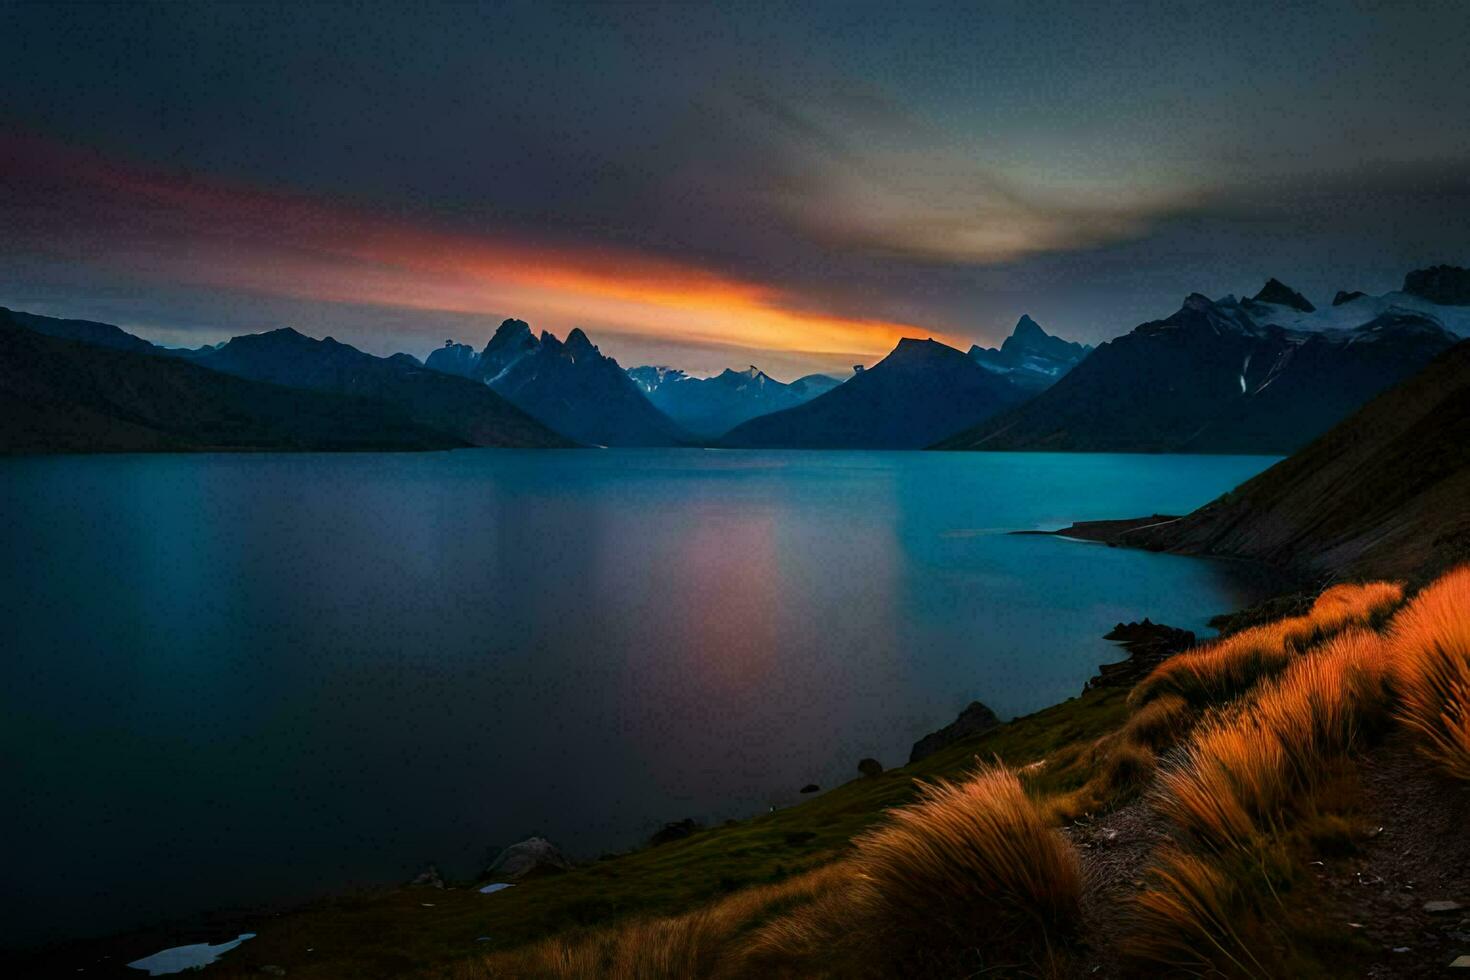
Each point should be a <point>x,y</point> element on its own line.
<point>237,678</point>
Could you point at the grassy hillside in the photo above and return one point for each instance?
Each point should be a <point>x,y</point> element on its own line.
<point>1382,493</point>
<point>1248,776</point>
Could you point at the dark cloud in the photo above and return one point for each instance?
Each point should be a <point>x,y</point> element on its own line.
<point>951,167</point>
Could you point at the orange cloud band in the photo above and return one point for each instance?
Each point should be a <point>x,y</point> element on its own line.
<point>215,233</point>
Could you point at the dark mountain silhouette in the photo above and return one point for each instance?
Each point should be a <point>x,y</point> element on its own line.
<point>710,407</point>
<point>1448,285</point>
<point>1211,379</point>
<point>1278,292</point>
<point>452,358</point>
<point>915,395</point>
<point>463,409</point>
<point>1031,357</point>
<point>87,331</point>
<point>1385,492</point>
<point>571,386</point>
<point>1344,296</point>
<point>62,395</point>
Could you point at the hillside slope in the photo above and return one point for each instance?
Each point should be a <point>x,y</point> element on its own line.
<point>468,411</point>
<point>1385,492</point>
<point>59,395</point>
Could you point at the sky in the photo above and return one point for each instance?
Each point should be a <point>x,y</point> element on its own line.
<point>791,185</point>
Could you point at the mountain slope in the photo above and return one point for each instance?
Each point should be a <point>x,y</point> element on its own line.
<point>710,407</point>
<point>465,410</point>
<point>1385,492</point>
<point>1211,378</point>
<point>61,395</point>
<point>920,392</point>
<point>1031,357</point>
<point>87,331</point>
<point>571,386</point>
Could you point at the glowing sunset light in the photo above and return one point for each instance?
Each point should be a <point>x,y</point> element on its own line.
<point>213,233</point>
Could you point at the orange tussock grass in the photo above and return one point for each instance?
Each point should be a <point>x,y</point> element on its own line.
<point>968,876</point>
<point>1341,606</point>
<point>1182,920</point>
<point>706,942</point>
<point>1240,770</point>
<point>1319,704</point>
<point>1160,722</point>
<point>1220,670</point>
<point>1230,781</point>
<point>1228,667</point>
<point>1431,670</point>
<point>1121,768</point>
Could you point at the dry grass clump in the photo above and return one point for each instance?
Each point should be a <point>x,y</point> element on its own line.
<point>1184,920</point>
<point>1121,769</point>
<point>1220,670</point>
<point>1240,771</point>
<point>1319,704</point>
<point>1431,670</point>
<point>1341,606</point>
<point>1229,783</point>
<point>1228,667</point>
<point>704,943</point>
<point>1159,723</point>
<point>968,877</point>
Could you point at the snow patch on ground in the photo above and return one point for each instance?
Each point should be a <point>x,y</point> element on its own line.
<point>181,958</point>
<point>498,886</point>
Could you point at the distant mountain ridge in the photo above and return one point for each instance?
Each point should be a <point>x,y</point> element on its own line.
<point>457,406</point>
<point>569,385</point>
<point>1217,376</point>
<point>914,396</point>
<point>710,407</point>
<point>1031,357</point>
<point>59,394</point>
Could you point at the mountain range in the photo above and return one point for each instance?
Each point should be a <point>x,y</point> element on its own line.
<point>1384,493</point>
<point>710,407</point>
<point>569,385</point>
<point>1264,375</point>
<point>412,404</point>
<point>65,395</point>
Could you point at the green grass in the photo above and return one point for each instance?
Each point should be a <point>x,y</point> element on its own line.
<point>391,932</point>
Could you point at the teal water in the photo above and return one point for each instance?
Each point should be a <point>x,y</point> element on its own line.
<point>240,678</point>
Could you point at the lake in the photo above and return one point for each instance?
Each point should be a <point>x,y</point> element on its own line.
<point>242,678</point>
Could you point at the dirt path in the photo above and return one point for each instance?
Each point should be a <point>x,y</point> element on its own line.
<point>1116,849</point>
<point>1420,855</point>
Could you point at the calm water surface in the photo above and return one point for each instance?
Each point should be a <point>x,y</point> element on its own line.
<point>244,678</point>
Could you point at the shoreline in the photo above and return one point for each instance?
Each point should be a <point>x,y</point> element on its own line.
<point>110,953</point>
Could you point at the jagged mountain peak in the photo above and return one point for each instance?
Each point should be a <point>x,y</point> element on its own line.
<point>1277,292</point>
<point>1027,327</point>
<point>578,342</point>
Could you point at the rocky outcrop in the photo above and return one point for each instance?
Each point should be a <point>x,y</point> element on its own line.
<point>870,767</point>
<point>676,830</point>
<point>1148,644</point>
<point>534,855</point>
<point>1343,296</point>
<point>1447,285</point>
<point>976,719</point>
